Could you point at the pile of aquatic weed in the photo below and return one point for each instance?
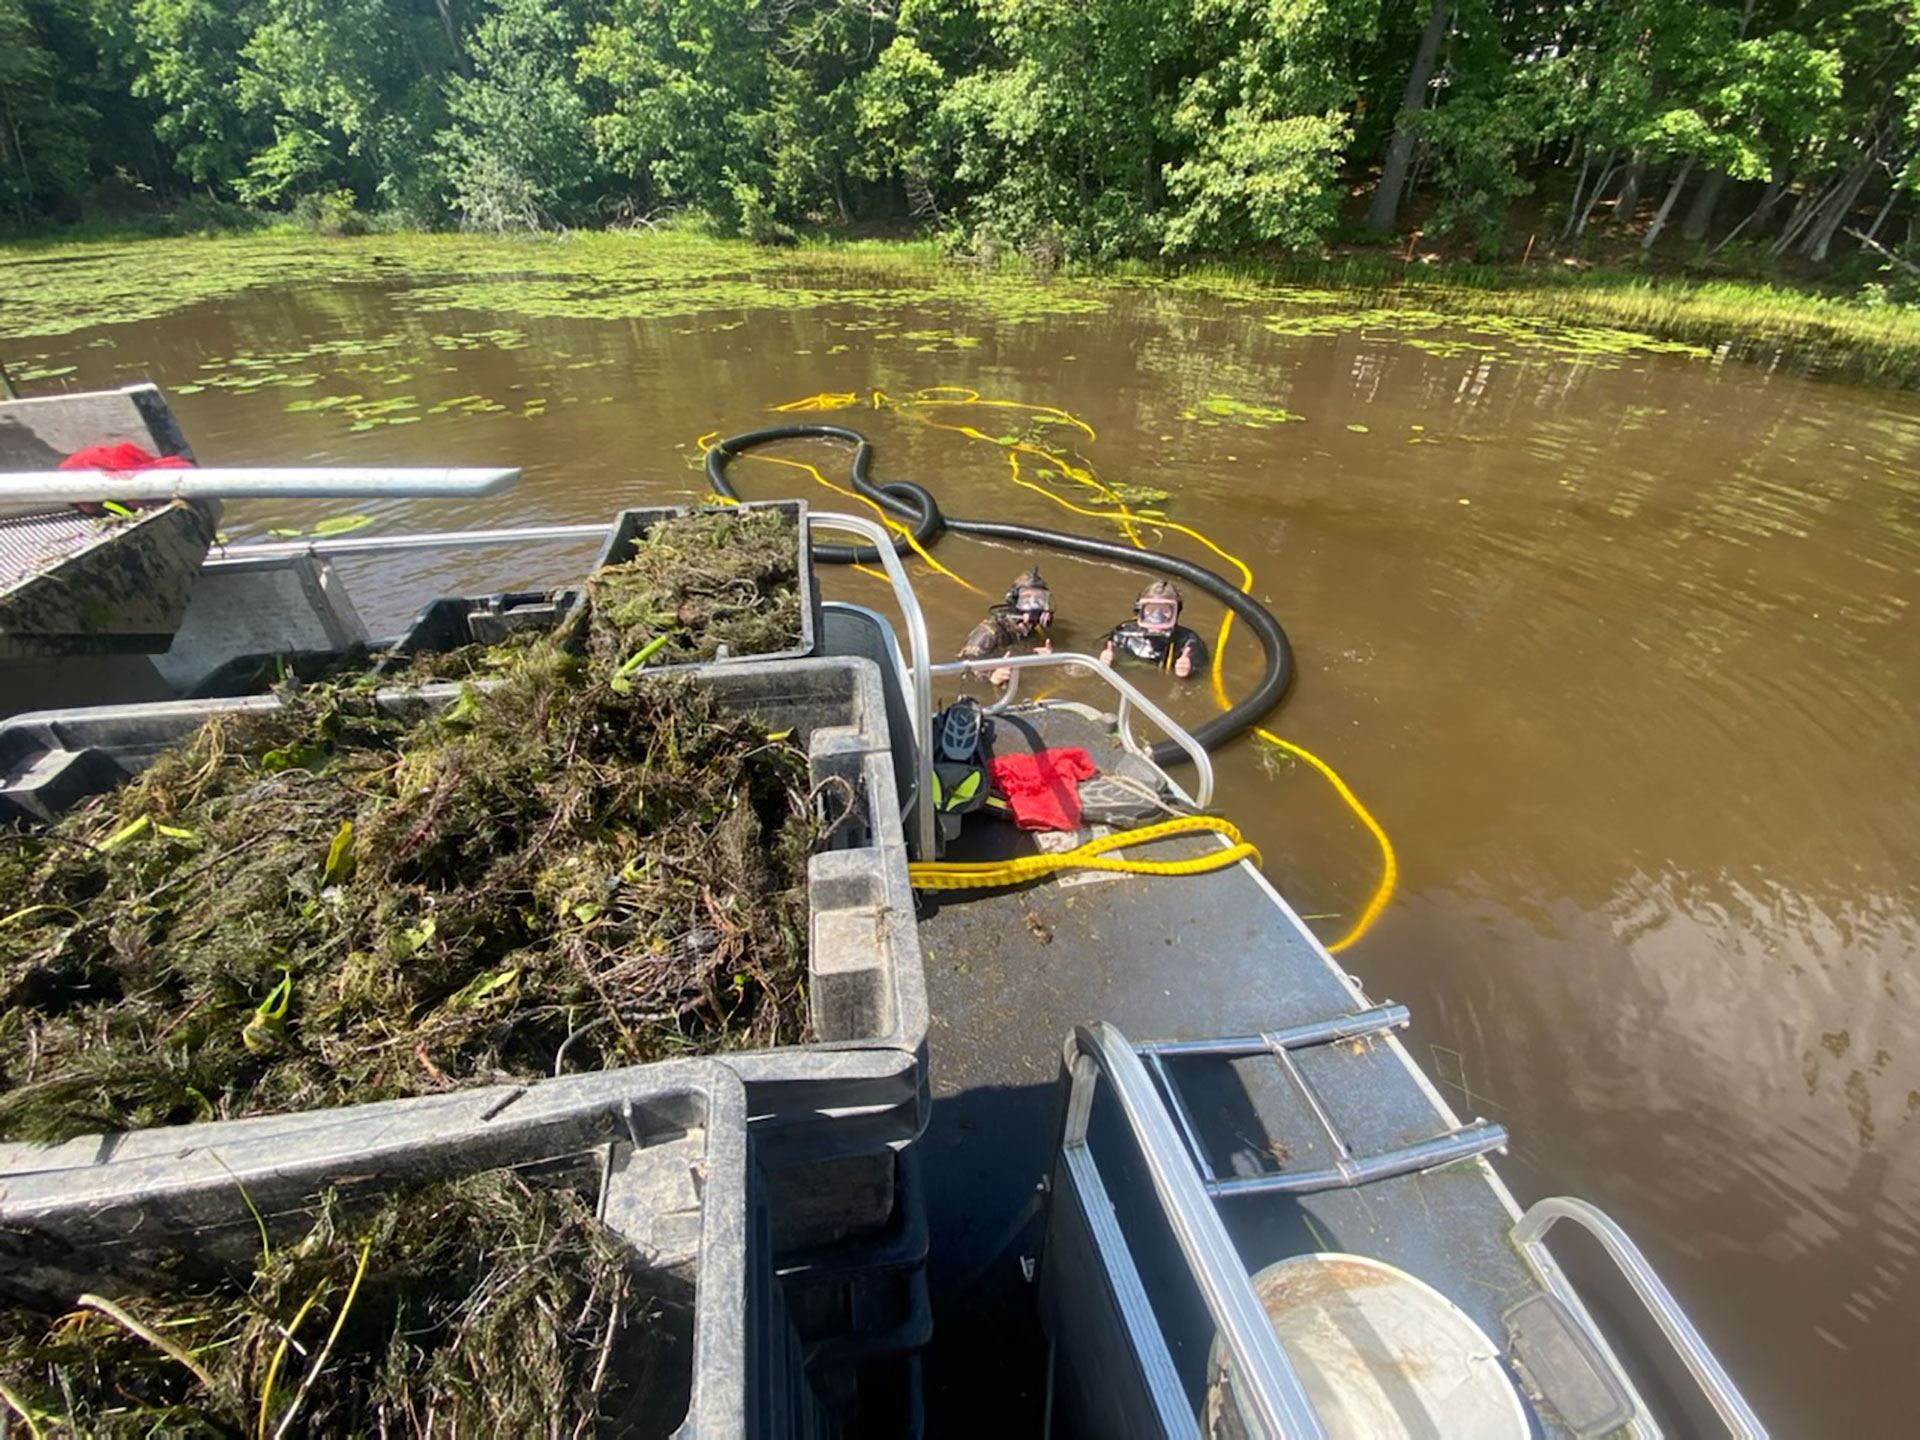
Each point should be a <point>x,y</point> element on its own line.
<point>717,578</point>
<point>477,1306</point>
<point>326,902</point>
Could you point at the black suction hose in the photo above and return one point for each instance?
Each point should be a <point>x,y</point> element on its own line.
<point>918,510</point>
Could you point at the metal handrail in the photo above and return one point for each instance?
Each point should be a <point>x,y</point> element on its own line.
<point>1121,720</point>
<point>1129,697</point>
<point>924,818</point>
<point>234,556</point>
<point>1272,1390</point>
<point>1530,1235</point>
<point>265,482</point>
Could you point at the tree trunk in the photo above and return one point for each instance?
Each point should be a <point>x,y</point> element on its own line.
<point>1579,191</point>
<point>1393,174</point>
<point>1758,214</point>
<point>1820,237</point>
<point>1769,198</point>
<point>1666,207</point>
<point>1893,194</point>
<point>1816,206</point>
<point>1148,170</point>
<point>1804,206</point>
<point>460,62</point>
<point>1700,213</point>
<point>840,194</point>
<point>1593,196</point>
<point>1629,196</point>
<point>1869,243</point>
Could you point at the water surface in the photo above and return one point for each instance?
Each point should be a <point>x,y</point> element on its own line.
<point>1613,638</point>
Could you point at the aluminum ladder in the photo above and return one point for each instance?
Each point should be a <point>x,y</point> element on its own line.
<point>1190,1194</point>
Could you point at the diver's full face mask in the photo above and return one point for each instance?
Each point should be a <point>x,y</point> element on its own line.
<point>1158,614</point>
<point>1034,604</point>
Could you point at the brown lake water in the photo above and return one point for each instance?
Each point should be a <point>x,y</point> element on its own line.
<point>1616,642</point>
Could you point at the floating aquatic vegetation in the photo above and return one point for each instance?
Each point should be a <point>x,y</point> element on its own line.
<point>1225,410</point>
<point>715,579</point>
<point>332,525</point>
<point>35,367</point>
<point>1136,494</point>
<point>57,290</point>
<point>1404,323</point>
<point>327,902</point>
<point>505,339</point>
<point>484,1305</point>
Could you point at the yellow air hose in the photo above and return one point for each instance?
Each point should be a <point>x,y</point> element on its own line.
<point>945,875</point>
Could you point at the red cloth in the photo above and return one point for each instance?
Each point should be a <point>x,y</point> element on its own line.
<point>120,457</point>
<point>1043,788</point>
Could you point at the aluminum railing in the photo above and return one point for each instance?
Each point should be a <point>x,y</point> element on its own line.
<point>229,557</point>
<point>1265,1384</point>
<point>1530,1235</point>
<point>1130,700</point>
<point>921,690</point>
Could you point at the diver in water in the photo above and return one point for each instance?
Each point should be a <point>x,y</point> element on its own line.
<point>1155,635</point>
<point>1024,615</point>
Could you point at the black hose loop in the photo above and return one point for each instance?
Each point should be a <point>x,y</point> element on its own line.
<point>901,499</point>
<point>915,507</point>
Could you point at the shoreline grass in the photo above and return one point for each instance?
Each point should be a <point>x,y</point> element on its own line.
<point>1829,334</point>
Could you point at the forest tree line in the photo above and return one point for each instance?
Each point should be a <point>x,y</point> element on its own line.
<point>1092,128</point>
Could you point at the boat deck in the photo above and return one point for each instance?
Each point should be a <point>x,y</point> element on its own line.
<point>1011,972</point>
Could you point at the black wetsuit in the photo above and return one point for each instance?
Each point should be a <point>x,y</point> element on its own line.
<point>1133,641</point>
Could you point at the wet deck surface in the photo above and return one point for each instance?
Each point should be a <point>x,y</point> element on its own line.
<point>1010,973</point>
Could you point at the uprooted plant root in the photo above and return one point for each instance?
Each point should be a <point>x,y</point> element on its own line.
<point>479,1306</point>
<point>717,578</point>
<point>325,903</point>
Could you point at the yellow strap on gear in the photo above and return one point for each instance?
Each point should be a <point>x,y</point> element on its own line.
<point>944,875</point>
<point>963,790</point>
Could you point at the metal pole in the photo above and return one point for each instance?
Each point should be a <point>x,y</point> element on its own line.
<point>333,549</point>
<point>1266,1382</point>
<point>392,482</point>
<point>924,819</point>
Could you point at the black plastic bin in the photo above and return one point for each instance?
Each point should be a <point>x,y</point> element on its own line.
<point>665,1148</point>
<point>454,621</point>
<point>826,1113</point>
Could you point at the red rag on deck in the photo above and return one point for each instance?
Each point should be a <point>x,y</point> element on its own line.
<point>1043,788</point>
<point>121,457</point>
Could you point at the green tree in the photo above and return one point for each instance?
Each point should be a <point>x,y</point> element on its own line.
<point>354,93</point>
<point>1058,138</point>
<point>519,153</point>
<point>686,117</point>
<point>894,102</point>
<point>44,132</point>
<point>189,65</point>
<point>1264,121</point>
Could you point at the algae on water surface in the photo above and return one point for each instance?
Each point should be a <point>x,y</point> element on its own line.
<point>484,1305</point>
<point>326,903</point>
